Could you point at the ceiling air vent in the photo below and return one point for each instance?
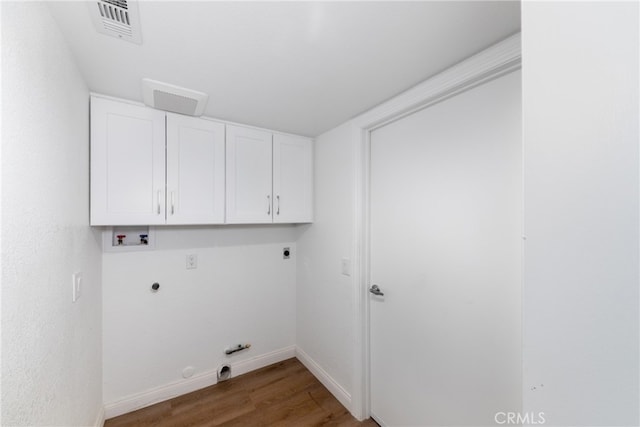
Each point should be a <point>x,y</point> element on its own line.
<point>117,18</point>
<point>164,96</point>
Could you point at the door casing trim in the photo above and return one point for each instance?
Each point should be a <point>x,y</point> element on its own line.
<point>502,58</point>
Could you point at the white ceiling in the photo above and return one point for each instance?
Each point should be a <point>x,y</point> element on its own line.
<point>299,67</point>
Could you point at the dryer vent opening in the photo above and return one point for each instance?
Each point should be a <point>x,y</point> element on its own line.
<point>224,373</point>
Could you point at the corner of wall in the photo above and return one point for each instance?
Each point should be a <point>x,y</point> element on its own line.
<point>51,346</point>
<point>324,296</point>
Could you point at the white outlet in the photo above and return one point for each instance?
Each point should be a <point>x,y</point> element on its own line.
<point>192,261</point>
<point>76,281</point>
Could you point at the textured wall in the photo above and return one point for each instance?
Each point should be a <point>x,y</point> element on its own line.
<point>51,347</point>
<point>580,297</point>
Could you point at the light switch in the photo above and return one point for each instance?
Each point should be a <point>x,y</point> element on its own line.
<point>76,282</point>
<point>346,266</point>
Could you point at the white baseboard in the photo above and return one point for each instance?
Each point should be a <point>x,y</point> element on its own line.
<point>100,418</point>
<point>205,379</point>
<point>248,365</point>
<point>159,394</point>
<point>332,385</point>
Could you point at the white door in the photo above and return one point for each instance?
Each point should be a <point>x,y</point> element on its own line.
<point>195,170</point>
<point>445,252</point>
<point>249,189</point>
<point>127,164</point>
<point>292,179</point>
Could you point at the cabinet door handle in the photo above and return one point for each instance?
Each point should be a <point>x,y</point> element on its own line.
<point>278,199</point>
<point>268,205</point>
<point>158,202</point>
<point>172,204</point>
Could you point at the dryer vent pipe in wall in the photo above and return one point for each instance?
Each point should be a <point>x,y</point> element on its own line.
<point>224,373</point>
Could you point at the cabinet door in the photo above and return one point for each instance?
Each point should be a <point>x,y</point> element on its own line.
<point>127,164</point>
<point>249,197</point>
<point>195,170</point>
<point>292,179</point>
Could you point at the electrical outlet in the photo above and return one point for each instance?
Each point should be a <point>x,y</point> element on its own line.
<point>192,261</point>
<point>76,282</point>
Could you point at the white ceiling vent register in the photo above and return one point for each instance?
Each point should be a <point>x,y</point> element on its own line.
<point>164,96</point>
<point>117,18</point>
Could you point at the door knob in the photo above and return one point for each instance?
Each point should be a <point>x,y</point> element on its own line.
<point>376,290</point>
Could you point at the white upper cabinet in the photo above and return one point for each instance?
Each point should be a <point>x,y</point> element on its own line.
<point>195,170</point>
<point>292,179</point>
<point>127,164</point>
<point>269,177</point>
<point>149,167</point>
<point>249,199</point>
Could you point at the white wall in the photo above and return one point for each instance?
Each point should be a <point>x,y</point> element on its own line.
<point>51,347</point>
<point>580,62</point>
<point>242,291</point>
<point>324,299</point>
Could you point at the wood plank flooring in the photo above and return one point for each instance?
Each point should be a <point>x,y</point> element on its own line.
<point>283,394</point>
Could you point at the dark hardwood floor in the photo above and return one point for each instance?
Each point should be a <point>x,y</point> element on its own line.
<point>283,394</point>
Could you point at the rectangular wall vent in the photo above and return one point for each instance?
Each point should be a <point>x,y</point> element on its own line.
<point>117,18</point>
<point>175,99</point>
<point>176,103</point>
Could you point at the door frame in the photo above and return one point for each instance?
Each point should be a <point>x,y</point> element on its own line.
<point>489,64</point>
